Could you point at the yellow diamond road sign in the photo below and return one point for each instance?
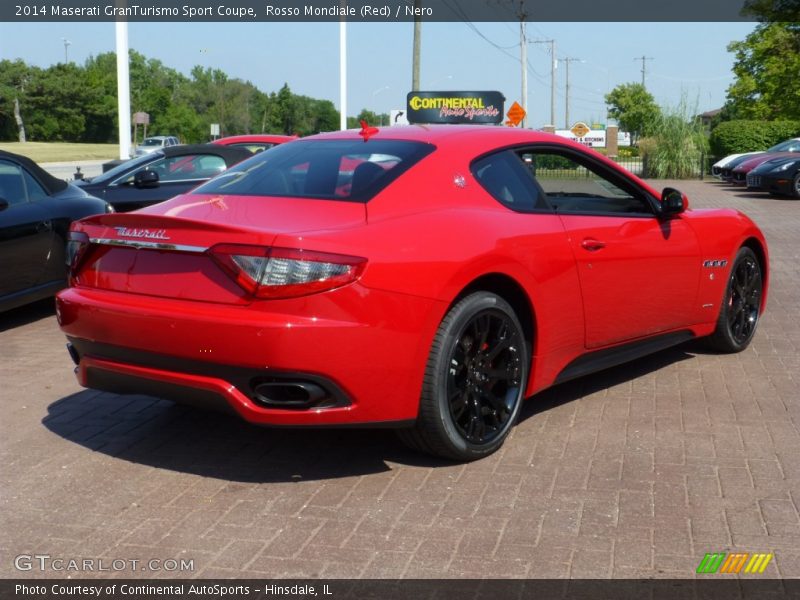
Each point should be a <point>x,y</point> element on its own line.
<point>515,114</point>
<point>580,129</point>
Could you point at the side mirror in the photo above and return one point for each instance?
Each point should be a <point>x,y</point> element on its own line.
<point>4,204</point>
<point>146,179</point>
<point>673,202</point>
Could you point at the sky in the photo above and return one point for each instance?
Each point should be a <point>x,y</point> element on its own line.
<point>689,61</point>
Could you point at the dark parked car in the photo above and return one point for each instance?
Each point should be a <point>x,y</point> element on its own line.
<point>779,176</point>
<point>36,210</point>
<point>727,172</point>
<point>162,174</point>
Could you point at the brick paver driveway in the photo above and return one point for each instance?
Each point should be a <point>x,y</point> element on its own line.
<point>635,472</point>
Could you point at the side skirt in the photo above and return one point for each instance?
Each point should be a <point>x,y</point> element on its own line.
<point>611,357</point>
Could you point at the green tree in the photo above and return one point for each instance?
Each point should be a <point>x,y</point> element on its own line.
<point>57,97</point>
<point>766,69</point>
<point>101,109</point>
<point>634,107</point>
<point>70,102</point>
<point>372,118</point>
<point>775,11</point>
<point>327,117</point>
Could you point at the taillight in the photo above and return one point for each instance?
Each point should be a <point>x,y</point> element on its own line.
<point>286,272</point>
<point>77,243</point>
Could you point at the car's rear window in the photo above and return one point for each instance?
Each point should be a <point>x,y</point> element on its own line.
<point>351,170</point>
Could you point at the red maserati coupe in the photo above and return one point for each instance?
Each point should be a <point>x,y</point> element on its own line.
<point>425,278</point>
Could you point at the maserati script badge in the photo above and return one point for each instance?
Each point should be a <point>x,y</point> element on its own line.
<point>150,234</point>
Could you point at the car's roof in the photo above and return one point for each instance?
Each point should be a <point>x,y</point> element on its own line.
<point>474,139</point>
<point>50,183</point>
<point>271,138</point>
<point>487,136</point>
<point>227,152</point>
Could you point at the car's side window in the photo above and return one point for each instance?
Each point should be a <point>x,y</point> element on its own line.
<point>12,188</point>
<point>34,188</point>
<point>182,168</point>
<point>503,176</point>
<point>578,186</point>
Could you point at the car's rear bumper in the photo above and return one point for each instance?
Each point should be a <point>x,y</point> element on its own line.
<point>357,356</point>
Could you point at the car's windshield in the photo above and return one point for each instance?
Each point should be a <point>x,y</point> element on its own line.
<point>326,169</point>
<point>787,146</point>
<point>152,142</point>
<point>111,174</point>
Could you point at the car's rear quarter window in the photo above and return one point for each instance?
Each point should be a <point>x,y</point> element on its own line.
<point>350,170</point>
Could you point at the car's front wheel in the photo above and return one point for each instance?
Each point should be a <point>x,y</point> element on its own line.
<point>474,380</point>
<point>796,185</point>
<point>741,305</point>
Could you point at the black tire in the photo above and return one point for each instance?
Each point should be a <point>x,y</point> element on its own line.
<point>796,186</point>
<point>741,304</point>
<point>474,381</point>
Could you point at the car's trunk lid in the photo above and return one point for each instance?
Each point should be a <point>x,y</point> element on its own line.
<point>164,250</point>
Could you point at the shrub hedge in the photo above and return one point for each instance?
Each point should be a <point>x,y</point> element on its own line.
<point>732,137</point>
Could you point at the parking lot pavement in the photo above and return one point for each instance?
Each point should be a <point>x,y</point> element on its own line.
<point>638,471</point>
<point>67,170</point>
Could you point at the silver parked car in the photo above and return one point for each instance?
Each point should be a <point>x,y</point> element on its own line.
<point>155,142</point>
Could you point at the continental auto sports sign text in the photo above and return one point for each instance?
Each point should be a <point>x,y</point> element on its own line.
<point>455,107</point>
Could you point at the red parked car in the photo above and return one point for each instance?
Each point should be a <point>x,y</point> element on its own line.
<point>254,142</point>
<point>422,278</point>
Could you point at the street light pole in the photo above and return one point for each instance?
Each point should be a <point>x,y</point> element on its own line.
<point>523,44</point>
<point>123,90</point>
<point>417,45</point>
<point>343,74</point>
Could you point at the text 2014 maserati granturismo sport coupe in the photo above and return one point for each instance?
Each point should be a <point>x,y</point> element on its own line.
<point>426,278</point>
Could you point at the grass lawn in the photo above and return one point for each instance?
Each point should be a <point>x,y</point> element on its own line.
<point>62,152</point>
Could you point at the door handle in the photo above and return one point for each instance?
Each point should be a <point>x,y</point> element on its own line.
<point>592,245</point>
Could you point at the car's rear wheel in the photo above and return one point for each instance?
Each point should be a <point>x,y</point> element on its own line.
<point>796,185</point>
<point>741,306</point>
<point>474,381</point>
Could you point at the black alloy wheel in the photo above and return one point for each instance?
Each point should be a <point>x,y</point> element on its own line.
<point>741,306</point>
<point>474,382</point>
<point>484,377</point>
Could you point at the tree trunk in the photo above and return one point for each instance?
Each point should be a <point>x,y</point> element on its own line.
<point>18,119</point>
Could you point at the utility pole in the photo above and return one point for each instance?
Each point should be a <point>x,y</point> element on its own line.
<point>523,58</point>
<point>67,44</point>
<point>553,64</point>
<point>644,60</point>
<point>566,61</point>
<point>417,44</point>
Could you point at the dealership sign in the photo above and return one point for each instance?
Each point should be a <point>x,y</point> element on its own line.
<point>455,107</point>
<point>594,138</point>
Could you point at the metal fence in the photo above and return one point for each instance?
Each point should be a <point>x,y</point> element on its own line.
<point>555,167</point>
<point>638,166</point>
